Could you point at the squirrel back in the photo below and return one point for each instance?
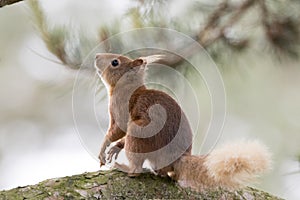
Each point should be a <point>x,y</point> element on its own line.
<point>232,166</point>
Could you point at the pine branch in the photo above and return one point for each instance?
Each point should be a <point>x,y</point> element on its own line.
<point>55,38</point>
<point>281,33</point>
<point>212,31</point>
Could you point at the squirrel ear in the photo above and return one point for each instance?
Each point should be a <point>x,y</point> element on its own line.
<point>137,62</point>
<point>153,58</point>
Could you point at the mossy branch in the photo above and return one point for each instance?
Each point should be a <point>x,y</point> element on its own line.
<point>117,185</point>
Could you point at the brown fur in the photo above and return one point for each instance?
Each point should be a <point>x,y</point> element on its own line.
<point>150,125</point>
<point>130,74</point>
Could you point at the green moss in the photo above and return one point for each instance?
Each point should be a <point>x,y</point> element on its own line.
<point>117,185</point>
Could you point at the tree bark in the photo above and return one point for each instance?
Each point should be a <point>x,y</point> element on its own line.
<point>8,2</point>
<point>117,185</point>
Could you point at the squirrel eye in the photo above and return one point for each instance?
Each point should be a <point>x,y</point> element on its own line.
<point>115,62</point>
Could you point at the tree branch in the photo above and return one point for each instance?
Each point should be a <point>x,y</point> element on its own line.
<point>212,31</point>
<point>8,2</point>
<point>117,185</point>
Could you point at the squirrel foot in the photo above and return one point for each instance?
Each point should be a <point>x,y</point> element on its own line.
<point>130,172</point>
<point>172,175</point>
<point>133,174</point>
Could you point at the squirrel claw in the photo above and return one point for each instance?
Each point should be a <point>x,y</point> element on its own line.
<point>101,164</point>
<point>102,159</point>
<point>114,151</point>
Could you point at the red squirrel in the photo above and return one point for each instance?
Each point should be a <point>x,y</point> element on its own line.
<point>150,125</point>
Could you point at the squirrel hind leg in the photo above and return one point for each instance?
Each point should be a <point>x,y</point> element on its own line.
<point>135,167</point>
<point>121,167</point>
<point>131,171</point>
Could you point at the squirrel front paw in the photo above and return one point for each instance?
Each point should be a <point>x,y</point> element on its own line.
<point>102,158</point>
<point>114,151</point>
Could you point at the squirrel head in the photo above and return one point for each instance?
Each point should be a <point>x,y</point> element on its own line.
<point>112,67</point>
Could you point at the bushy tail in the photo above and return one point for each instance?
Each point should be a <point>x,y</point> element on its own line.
<point>237,164</point>
<point>231,166</point>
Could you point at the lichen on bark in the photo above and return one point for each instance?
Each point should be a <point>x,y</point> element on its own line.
<point>117,185</point>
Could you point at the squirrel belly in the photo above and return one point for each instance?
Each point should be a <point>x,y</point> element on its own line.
<point>231,166</point>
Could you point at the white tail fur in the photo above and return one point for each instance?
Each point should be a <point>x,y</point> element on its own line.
<point>232,166</point>
<point>238,163</point>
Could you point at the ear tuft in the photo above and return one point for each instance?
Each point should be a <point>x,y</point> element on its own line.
<point>153,58</point>
<point>137,62</point>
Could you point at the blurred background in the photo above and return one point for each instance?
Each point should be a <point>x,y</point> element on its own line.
<point>255,45</point>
